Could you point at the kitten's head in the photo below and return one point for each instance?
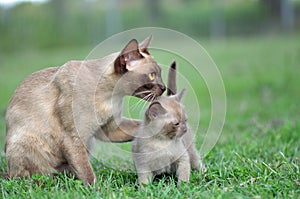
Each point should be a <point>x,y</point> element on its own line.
<point>140,74</point>
<point>167,115</point>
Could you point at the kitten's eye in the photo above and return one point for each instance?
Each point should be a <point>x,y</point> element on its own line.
<point>177,124</point>
<point>152,76</point>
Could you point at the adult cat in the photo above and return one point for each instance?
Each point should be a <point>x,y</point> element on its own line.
<point>57,112</point>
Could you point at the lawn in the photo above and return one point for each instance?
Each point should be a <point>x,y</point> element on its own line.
<point>257,154</point>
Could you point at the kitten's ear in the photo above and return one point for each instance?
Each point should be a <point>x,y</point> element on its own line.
<point>155,110</point>
<point>144,45</point>
<point>128,55</point>
<point>172,88</point>
<point>178,97</point>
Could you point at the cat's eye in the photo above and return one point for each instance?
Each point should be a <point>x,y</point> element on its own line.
<point>152,76</point>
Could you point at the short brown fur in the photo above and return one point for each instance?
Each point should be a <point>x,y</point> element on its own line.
<point>165,143</point>
<point>55,114</point>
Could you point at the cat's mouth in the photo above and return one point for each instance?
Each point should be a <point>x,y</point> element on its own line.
<point>149,92</point>
<point>145,95</point>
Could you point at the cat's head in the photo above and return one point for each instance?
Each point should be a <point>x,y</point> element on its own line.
<point>168,116</point>
<point>140,74</point>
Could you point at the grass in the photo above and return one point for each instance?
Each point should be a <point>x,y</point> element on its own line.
<point>257,155</point>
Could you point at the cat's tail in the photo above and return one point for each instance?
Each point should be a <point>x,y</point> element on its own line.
<point>172,88</point>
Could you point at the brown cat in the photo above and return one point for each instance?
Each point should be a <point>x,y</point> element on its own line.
<point>57,112</point>
<point>164,142</point>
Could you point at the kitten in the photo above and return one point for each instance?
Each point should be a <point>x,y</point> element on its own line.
<point>56,113</point>
<point>164,142</point>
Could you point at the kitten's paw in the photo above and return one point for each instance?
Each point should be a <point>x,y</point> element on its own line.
<point>203,169</point>
<point>200,168</point>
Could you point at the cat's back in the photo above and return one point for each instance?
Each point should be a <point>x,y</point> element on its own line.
<point>43,85</point>
<point>31,84</point>
<point>28,98</point>
<point>36,101</point>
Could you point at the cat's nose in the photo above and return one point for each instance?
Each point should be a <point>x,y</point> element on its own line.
<point>162,88</point>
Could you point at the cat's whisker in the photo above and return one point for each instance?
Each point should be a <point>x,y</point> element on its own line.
<point>142,92</point>
<point>149,98</point>
<point>154,98</point>
<point>134,106</point>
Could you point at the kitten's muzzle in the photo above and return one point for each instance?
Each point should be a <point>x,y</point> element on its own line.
<point>184,129</point>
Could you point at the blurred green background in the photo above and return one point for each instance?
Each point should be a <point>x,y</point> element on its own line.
<point>255,44</point>
<point>56,23</point>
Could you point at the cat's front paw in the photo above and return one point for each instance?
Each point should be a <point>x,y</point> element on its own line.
<point>90,180</point>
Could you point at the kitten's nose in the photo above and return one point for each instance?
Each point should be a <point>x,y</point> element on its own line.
<point>184,128</point>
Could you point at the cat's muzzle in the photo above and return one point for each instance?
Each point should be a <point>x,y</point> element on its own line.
<point>150,92</point>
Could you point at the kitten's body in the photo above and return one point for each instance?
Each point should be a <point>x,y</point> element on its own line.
<point>164,142</point>
<point>57,112</point>
<point>159,145</point>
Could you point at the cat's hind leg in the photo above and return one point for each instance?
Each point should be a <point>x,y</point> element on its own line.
<point>145,177</point>
<point>25,157</point>
<point>78,159</point>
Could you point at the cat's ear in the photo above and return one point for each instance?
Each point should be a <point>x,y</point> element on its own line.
<point>178,97</point>
<point>155,109</point>
<point>127,57</point>
<point>172,88</point>
<point>145,44</point>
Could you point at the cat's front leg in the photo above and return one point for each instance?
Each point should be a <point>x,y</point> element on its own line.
<point>145,177</point>
<point>77,157</point>
<point>121,132</point>
<point>183,169</point>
